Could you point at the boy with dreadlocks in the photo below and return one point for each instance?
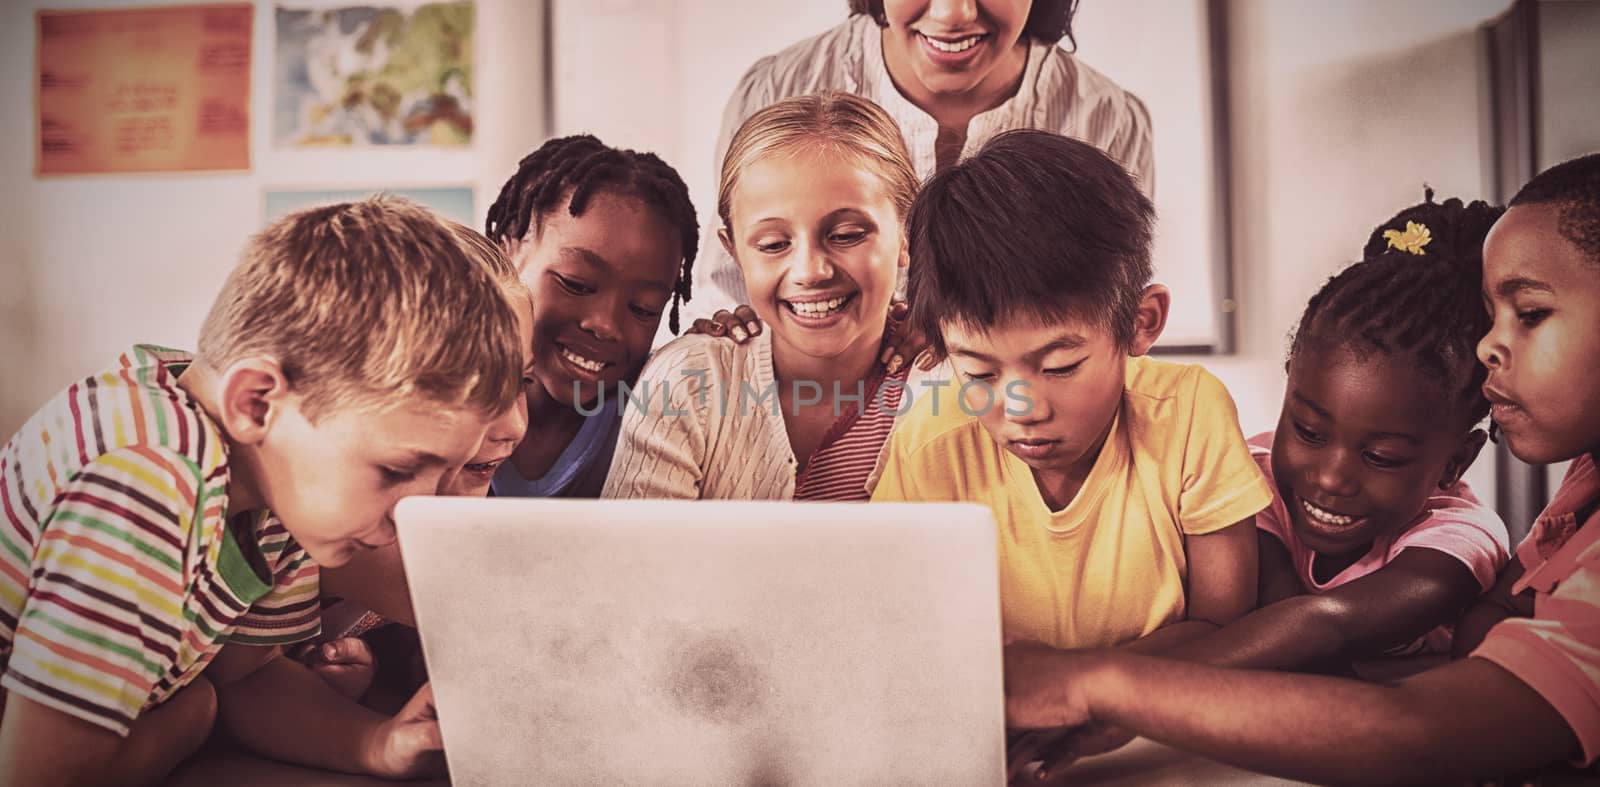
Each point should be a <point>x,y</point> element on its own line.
<point>1526,696</point>
<point>605,238</point>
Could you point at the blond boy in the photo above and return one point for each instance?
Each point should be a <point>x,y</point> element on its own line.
<point>355,354</point>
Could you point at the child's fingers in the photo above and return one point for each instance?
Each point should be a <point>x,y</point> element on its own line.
<point>1056,755</point>
<point>1081,742</point>
<point>420,706</point>
<point>705,326</point>
<point>729,324</point>
<point>747,316</point>
<point>346,650</point>
<point>1023,751</point>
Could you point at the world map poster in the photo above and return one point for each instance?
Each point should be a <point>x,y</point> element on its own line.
<point>374,75</point>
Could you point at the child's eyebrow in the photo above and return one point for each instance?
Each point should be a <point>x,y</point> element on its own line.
<point>419,458</point>
<point>1070,341</point>
<point>590,258</point>
<point>1518,284</point>
<point>586,256</point>
<point>848,211</point>
<point>1315,408</point>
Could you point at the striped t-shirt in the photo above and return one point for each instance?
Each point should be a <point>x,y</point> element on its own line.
<point>121,575</point>
<point>838,469</point>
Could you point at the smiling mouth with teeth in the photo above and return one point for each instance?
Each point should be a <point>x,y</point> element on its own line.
<point>953,47</point>
<point>816,309</point>
<point>1325,517</point>
<point>582,362</point>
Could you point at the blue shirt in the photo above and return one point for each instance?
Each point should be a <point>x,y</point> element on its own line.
<point>580,471</point>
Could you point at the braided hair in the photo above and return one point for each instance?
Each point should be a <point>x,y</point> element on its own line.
<point>583,166</point>
<point>1416,291</point>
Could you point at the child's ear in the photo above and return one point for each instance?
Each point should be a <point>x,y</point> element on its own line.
<point>1462,458</point>
<point>251,394</point>
<point>1151,318</point>
<point>727,242</point>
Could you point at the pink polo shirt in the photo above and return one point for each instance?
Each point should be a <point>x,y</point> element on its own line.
<point>1557,651</point>
<point>1452,522</point>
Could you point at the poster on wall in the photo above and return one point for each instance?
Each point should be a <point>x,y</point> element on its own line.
<point>143,89</point>
<point>373,75</point>
<point>452,202</point>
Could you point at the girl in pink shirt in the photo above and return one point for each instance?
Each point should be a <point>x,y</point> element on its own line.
<point>1373,545</point>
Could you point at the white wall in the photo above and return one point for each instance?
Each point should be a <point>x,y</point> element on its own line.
<point>90,264</point>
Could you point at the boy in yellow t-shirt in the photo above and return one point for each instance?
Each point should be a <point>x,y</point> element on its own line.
<point>1122,486</point>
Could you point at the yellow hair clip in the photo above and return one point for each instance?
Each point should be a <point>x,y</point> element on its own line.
<point>1412,240</point>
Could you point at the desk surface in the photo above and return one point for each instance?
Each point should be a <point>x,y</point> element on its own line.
<point>1142,762</point>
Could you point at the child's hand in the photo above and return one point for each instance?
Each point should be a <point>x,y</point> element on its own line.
<point>347,664</point>
<point>740,324</point>
<point>1055,750</point>
<point>901,340</point>
<point>408,746</point>
<point>1041,690</point>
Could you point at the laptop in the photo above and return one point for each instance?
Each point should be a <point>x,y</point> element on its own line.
<point>645,642</point>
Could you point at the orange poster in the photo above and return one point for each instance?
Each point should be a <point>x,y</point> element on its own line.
<point>144,89</point>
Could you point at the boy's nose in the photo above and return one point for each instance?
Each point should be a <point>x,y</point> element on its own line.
<point>1021,409</point>
<point>1490,352</point>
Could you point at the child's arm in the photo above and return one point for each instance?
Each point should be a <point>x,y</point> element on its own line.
<point>278,708</point>
<point>1221,587</point>
<point>1420,589</point>
<point>1432,728</point>
<point>1278,579</point>
<point>41,745</point>
<point>1492,607</point>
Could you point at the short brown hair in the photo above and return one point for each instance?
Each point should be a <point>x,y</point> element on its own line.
<point>1049,21</point>
<point>370,304</point>
<point>1035,227</point>
<point>828,120</point>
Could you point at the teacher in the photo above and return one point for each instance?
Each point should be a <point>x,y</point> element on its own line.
<point>952,74</point>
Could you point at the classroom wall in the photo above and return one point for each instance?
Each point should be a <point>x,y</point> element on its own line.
<point>90,264</point>
<point>1341,112</point>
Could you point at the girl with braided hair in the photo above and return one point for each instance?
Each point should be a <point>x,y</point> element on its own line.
<point>1373,544</point>
<point>605,238</point>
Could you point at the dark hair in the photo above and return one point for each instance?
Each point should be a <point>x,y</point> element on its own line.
<point>1573,187</point>
<point>583,166</point>
<point>1049,21</point>
<point>1417,291</point>
<point>1035,226</point>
